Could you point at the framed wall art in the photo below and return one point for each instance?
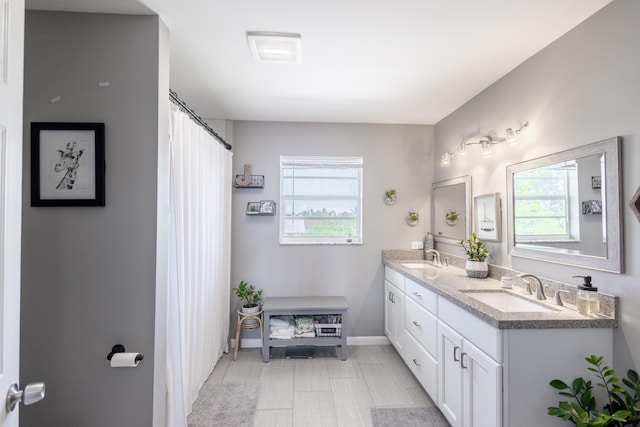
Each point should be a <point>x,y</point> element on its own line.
<point>67,164</point>
<point>487,215</point>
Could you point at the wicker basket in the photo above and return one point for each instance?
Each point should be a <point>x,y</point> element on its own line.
<point>328,329</point>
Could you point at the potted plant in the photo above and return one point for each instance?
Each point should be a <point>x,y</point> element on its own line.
<point>250,296</point>
<point>390,196</point>
<point>412,218</point>
<point>477,252</point>
<point>622,408</point>
<point>452,217</point>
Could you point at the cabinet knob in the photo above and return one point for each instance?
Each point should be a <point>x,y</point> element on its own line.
<point>462,364</point>
<point>415,322</point>
<point>415,361</point>
<point>417,295</point>
<point>455,351</point>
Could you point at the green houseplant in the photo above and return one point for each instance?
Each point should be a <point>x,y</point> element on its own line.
<point>620,410</point>
<point>250,296</point>
<point>452,217</point>
<point>390,196</point>
<point>477,254</point>
<point>413,218</point>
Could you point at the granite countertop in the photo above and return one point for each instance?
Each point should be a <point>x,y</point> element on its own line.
<point>451,282</point>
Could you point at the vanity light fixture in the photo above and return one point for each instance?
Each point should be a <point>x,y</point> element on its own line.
<point>281,48</point>
<point>486,143</point>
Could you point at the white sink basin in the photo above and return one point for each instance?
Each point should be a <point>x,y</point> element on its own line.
<point>507,302</point>
<point>420,265</point>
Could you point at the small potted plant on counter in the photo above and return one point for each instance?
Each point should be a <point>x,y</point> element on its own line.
<point>477,252</point>
<point>250,296</point>
<point>390,197</point>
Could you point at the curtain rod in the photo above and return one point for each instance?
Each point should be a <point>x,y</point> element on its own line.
<point>184,107</point>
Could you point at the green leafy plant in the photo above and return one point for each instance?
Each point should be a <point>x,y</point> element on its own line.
<point>413,216</point>
<point>390,194</point>
<point>622,407</point>
<point>248,294</point>
<point>452,216</point>
<point>475,249</point>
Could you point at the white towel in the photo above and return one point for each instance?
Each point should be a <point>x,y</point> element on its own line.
<point>281,321</point>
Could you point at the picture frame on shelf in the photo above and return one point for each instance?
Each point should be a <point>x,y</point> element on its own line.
<point>487,217</point>
<point>596,182</point>
<point>253,208</point>
<point>267,207</point>
<point>67,164</point>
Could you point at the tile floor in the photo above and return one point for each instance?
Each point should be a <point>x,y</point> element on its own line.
<point>324,391</point>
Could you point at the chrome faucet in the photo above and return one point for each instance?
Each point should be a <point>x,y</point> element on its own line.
<point>436,256</point>
<point>527,288</point>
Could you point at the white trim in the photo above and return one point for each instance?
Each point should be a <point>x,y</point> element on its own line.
<point>368,340</point>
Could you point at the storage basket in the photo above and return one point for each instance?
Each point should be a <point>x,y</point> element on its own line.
<point>328,329</point>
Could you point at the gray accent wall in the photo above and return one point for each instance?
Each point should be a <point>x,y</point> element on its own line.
<point>89,273</point>
<point>395,156</point>
<point>582,88</point>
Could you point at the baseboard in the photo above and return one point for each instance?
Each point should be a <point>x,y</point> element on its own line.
<point>257,342</point>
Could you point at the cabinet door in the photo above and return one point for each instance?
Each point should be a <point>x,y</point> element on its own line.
<point>389,311</point>
<point>450,379</point>
<point>482,388</point>
<point>393,314</point>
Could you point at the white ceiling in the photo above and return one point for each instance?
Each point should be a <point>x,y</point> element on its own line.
<point>364,61</point>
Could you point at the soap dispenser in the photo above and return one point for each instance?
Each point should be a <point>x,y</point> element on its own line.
<point>587,301</point>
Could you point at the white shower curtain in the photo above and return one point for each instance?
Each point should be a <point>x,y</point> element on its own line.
<point>199,261</point>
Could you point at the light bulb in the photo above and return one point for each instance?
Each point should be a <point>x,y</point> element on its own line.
<point>463,149</point>
<point>486,149</point>
<point>446,160</point>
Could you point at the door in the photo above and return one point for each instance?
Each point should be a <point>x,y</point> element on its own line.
<point>11,54</point>
<point>450,374</point>
<point>482,388</point>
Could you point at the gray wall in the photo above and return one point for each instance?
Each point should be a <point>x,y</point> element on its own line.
<point>395,156</point>
<point>581,89</point>
<point>89,273</point>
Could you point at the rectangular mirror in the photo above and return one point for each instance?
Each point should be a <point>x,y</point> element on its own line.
<point>565,208</point>
<point>451,210</point>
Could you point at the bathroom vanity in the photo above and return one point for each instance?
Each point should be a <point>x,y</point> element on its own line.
<point>483,366</point>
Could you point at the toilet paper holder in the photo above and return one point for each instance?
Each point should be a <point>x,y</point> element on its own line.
<point>119,348</point>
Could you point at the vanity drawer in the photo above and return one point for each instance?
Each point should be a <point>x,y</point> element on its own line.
<point>421,364</point>
<point>422,325</point>
<point>397,279</point>
<point>423,296</point>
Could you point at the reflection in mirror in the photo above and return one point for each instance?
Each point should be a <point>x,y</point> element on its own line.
<point>450,211</point>
<point>565,207</point>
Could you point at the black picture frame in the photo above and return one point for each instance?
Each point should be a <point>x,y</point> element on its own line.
<point>67,164</point>
<point>596,182</point>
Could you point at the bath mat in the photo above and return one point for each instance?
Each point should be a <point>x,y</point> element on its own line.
<point>232,404</point>
<point>407,417</point>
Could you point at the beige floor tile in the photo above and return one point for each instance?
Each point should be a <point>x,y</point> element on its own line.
<point>371,354</point>
<point>313,408</point>
<point>349,368</point>
<point>276,388</point>
<point>401,372</point>
<point>246,369</point>
<point>420,397</point>
<point>385,388</point>
<point>311,375</point>
<point>273,418</point>
<point>219,370</point>
<point>352,401</point>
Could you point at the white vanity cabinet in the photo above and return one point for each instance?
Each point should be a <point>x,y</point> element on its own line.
<point>394,307</point>
<point>470,384</point>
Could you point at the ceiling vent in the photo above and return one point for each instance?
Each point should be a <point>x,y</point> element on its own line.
<point>282,48</point>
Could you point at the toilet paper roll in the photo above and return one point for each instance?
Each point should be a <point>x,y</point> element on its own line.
<point>125,360</point>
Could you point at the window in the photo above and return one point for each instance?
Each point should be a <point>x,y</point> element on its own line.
<point>541,198</point>
<point>320,200</point>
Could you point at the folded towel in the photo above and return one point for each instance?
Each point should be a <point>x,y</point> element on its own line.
<point>305,335</point>
<point>281,321</point>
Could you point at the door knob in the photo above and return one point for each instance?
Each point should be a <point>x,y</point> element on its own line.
<point>32,393</point>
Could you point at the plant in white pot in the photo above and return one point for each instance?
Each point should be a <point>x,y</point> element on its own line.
<point>250,296</point>
<point>477,252</point>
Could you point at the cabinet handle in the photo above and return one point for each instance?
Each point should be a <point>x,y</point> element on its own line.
<point>393,298</point>
<point>389,297</point>
<point>415,361</point>
<point>455,350</point>
<point>462,365</point>
<point>417,295</point>
<point>415,322</point>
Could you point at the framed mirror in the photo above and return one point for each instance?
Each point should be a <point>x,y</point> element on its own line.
<point>566,207</point>
<point>451,210</point>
